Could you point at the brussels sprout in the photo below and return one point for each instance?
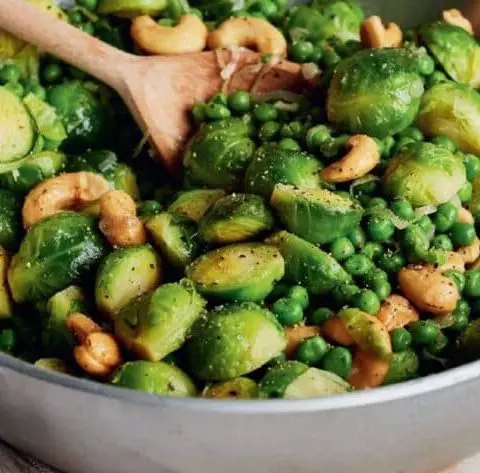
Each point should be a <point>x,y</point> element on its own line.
<point>132,8</point>
<point>468,342</point>
<point>456,50</point>
<point>474,204</point>
<point>452,110</point>
<point>215,9</point>
<point>56,338</point>
<point>55,253</point>
<point>317,215</point>
<point>11,229</point>
<point>325,19</point>
<point>238,388</point>
<point>157,378</point>
<point>37,168</point>
<point>240,272</point>
<point>175,236</point>
<point>235,218</point>
<point>157,323</point>
<point>52,364</point>
<point>375,92</point>
<point>6,307</point>
<point>194,203</point>
<point>403,366</point>
<point>295,380</point>
<point>425,174</point>
<point>234,340</point>
<point>123,178</point>
<point>308,265</point>
<point>218,154</point>
<point>124,275</point>
<point>83,116</point>
<point>17,135</point>
<point>273,165</point>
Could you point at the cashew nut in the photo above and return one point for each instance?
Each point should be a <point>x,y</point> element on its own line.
<point>334,329</point>
<point>63,192</point>
<point>98,352</point>
<point>367,371</point>
<point>470,253</point>
<point>298,333</point>
<point>188,36</point>
<point>118,220</point>
<point>455,17</point>
<point>428,289</point>
<point>360,160</point>
<point>375,35</point>
<point>396,311</point>
<point>465,216</point>
<point>455,261</point>
<point>249,32</point>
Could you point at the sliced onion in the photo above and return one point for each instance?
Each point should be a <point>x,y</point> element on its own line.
<point>297,34</point>
<point>456,201</point>
<point>141,144</point>
<point>280,94</point>
<point>12,165</point>
<point>398,222</point>
<point>65,4</point>
<point>310,70</point>
<point>238,5</point>
<point>425,210</point>
<point>362,180</point>
<point>287,107</point>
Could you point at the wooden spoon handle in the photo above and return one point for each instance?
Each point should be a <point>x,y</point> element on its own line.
<point>63,41</point>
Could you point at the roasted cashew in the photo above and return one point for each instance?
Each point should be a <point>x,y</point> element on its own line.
<point>63,192</point>
<point>118,220</point>
<point>360,160</point>
<point>298,333</point>
<point>375,35</point>
<point>249,32</point>
<point>98,352</point>
<point>455,17</point>
<point>188,36</point>
<point>470,253</point>
<point>465,216</point>
<point>428,289</point>
<point>396,311</point>
<point>454,261</point>
<point>367,371</point>
<point>334,329</point>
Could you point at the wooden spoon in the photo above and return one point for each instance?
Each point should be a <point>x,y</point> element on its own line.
<point>158,90</point>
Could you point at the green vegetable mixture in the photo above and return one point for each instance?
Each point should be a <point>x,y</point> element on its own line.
<point>315,243</point>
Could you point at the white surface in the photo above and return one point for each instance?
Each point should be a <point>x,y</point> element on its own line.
<point>470,466</point>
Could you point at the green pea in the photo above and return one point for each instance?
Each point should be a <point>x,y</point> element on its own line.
<point>88,4</point>
<point>16,88</point>
<point>220,99</point>
<point>465,192</point>
<point>312,350</point>
<point>445,142</point>
<point>7,340</point>
<point>472,166</point>
<point>75,17</point>
<point>463,307</point>
<point>288,311</point>
<point>280,290</point>
<point>52,72</point>
<point>442,242</point>
<point>166,22</point>
<point>445,216</point>
<point>343,293</point>
<point>10,73</point>
<point>377,202</point>
<point>268,131</point>
<point>413,133</point>
<point>268,8</point>
<point>372,250</point>
<point>217,111</point>
<point>293,129</point>
<point>149,208</point>
<point>342,248</point>
<point>426,65</point>
<point>300,295</point>
<point>388,144</point>
<point>391,262</point>
<point>375,275</point>
<point>382,289</point>
<point>265,112</point>
<point>401,339</point>
<point>426,224</point>
<point>38,91</point>
<point>317,135</point>
<point>357,237</point>
<point>402,143</point>
<point>380,229</point>
<point>320,316</point>
<point>88,28</point>
<point>367,301</point>
<point>199,112</point>
<point>462,234</point>
<point>368,188</point>
<point>289,143</point>
<point>439,344</point>
<point>457,277</point>
<point>339,361</point>
<point>240,101</point>
<point>403,209</point>
<point>317,55</point>
<point>460,320</point>
<point>424,332</point>
<point>472,283</point>
<point>438,77</point>
<point>358,265</point>
<point>300,51</point>
<point>197,12</point>
<point>330,58</point>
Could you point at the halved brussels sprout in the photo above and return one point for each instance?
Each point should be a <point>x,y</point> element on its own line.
<point>132,8</point>
<point>375,92</point>
<point>403,366</point>
<point>157,378</point>
<point>425,174</point>
<point>456,50</point>
<point>235,218</point>
<point>124,275</point>
<point>218,154</point>
<point>52,364</point>
<point>452,110</point>
<point>308,265</point>
<point>237,388</point>
<point>56,252</point>
<point>295,380</point>
<point>317,215</point>
<point>273,165</point>
<point>474,204</point>
<point>194,203</point>
<point>123,178</point>
<point>175,236</point>
<point>234,340</point>
<point>240,272</point>
<point>57,340</point>
<point>37,168</point>
<point>11,230</point>
<point>157,323</point>
<point>6,306</point>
